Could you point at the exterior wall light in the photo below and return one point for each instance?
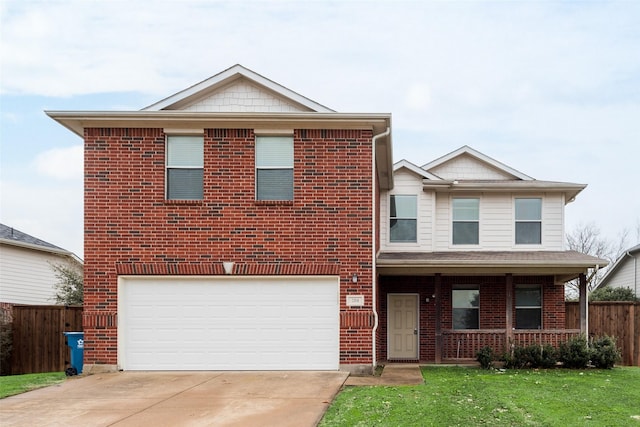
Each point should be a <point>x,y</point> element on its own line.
<point>354,278</point>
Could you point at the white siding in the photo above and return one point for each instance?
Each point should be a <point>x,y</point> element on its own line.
<point>467,167</point>
<point>241,96</point>
<point>624,276</point>
<point>407,183</point>
<point>497,224</point>
<point>26,276</point>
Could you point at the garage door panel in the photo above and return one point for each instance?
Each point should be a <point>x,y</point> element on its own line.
<point>266,323</point>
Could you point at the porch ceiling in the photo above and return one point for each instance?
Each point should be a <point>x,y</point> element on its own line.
<point>565,265</point>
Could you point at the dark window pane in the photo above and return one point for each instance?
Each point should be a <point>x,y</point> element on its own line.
<point>528,297</point>
<point>275,184</point>
<point>528,233</point>
<point>528,318</point>
<point>465,233</point>
<point>403,230</point>
<point>184,184</point>
<point>465,318</point>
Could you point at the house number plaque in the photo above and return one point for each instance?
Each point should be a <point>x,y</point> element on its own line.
<point>355,300</point>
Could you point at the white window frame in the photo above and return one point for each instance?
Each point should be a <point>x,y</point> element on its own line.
<point>400,242</point>
<point>516,221</point>
<point>517,307</point>
<point>259,137</point>
<point>459,245</point>
<point>453,307</point>
<point>168,166</point>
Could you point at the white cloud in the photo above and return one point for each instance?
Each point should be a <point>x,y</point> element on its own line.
<point>61,163</point>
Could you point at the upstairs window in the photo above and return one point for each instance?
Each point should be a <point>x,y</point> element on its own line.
<point>528,307</point>
<point>528,221</point>
<point>185,164</point>
<point>274,168</point>
<point>466,308</point>
<point>403,215</point>
<point>466,221</point>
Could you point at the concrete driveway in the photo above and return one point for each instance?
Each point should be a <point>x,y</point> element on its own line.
<point>178,399</point>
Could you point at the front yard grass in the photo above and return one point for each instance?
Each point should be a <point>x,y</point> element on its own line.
<point>16,384</point>
<point>463,396</point>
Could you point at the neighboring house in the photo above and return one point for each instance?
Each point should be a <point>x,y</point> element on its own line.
<point>472,254</point>
<point>26,274</point>
<point>240,225</point>
<point>624,273</point>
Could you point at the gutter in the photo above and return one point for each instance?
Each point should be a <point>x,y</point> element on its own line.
<point>374,217</point>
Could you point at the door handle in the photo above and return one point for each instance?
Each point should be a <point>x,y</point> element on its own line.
<point>415,332</point>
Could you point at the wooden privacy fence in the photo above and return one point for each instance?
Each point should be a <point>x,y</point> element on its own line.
<point>620,319</point>
<point>38,342</point>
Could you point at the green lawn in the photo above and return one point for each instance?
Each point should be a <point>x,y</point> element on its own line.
<point>459,396</point>
<point>16,384</point>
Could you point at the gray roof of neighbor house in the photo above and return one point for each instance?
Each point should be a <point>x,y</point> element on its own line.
<point>564,264</point>
<point>617,264</point>
<point>11,236</point>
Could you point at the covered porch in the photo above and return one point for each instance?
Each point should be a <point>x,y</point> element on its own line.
<point>442,307</point>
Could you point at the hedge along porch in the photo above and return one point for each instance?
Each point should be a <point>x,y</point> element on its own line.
<point>442,316</point>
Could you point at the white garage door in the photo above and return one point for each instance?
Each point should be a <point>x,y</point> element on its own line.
<point>228,323</point>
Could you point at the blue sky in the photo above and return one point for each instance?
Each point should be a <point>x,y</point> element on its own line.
<point>550,88</point>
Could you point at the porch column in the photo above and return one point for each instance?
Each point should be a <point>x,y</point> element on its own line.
<point>437,294</point>
<point>584,305</point>
<point>509,310</point>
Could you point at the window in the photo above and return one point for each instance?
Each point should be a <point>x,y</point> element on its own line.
<point>466,308</point>
<point>185,164</point>
<point>528,307</point>
<point>403,214</point>
<point>274,168</point>
<point>466,222</point>
<point>528,221</point>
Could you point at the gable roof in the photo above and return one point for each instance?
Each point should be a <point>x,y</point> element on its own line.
<point>466,150</point>
<point>13,237</point>
<point>415,169</point>
<point>311,115</point>
<point>622,259</point>
<point>226,77</point>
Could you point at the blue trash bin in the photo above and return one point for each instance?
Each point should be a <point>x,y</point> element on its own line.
<point>75,341</point>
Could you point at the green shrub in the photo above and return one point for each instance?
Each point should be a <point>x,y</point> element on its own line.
<point>485,356</point>
<point>604,352</point>
<point>5,345</point>
<point>542,356</point>
<point>575,353</point>
<point>518,358</point>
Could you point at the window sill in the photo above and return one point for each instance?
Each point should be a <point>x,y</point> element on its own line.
<point>184,202</point>
<point>274,202</point>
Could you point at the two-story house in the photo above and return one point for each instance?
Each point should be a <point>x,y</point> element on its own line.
<point>472,254</point>
<point>238,225</point>
<point>231,226</point>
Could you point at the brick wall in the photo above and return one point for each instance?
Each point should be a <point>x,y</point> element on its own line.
<point>129,226</point>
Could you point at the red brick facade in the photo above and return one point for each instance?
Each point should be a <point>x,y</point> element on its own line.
<point>131,229</point>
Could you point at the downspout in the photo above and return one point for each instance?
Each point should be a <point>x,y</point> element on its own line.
<point>374,254</point>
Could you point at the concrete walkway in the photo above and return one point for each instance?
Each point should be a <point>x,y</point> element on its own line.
<point>392,374</point>
<point>282,399</point>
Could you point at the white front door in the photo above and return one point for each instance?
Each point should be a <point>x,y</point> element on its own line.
<point>402,326</point>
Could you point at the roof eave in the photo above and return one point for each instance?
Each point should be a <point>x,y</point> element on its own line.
<point>77,121</point>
